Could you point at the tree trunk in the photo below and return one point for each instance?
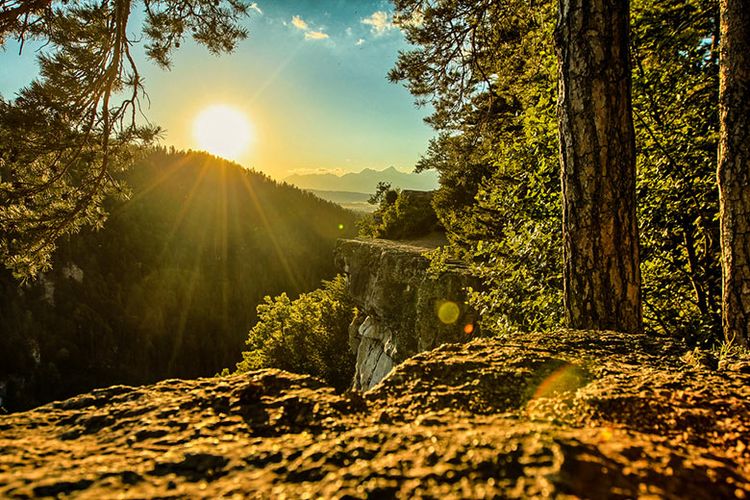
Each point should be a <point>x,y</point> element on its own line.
<point>734,168</point>
<point>602,279</point>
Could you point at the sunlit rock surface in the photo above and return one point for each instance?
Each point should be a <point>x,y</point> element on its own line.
<point>568,414</point>
<point>403,309</point>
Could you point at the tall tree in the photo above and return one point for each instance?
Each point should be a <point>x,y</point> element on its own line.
<point>602,280</point>
<point>734,168</point>
<point>64,134</point>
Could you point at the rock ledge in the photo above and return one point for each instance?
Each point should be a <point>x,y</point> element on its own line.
<point>403,309</point>
<point>566,414</point>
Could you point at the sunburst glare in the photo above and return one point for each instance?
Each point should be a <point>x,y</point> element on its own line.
<point>223,131</point>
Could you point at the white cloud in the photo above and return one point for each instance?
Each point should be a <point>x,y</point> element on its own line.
<point>360,41</point>
<point>310,34</point>
<point>379,22</point>
<point>349,31</point>
<point>254,6</point>
<point>316,35</point>
<point>299,23</point>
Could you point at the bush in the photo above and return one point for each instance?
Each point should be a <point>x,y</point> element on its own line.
<point>401,215</point>
<point>308,335</point>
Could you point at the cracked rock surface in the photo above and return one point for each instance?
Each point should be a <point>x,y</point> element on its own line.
<point>564,414</point>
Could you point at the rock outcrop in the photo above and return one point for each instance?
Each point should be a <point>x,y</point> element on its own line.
<point>403,310</point>
<point>567,414</point>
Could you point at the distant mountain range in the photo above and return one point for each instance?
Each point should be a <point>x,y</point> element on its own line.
<point>365,181</point>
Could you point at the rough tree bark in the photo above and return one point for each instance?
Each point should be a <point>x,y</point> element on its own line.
<point>734,168</point>
<point>602,279</point>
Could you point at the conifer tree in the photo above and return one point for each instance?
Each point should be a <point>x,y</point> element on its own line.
<point>602,280</point>
<point>65,133</point>
<point>734,168</point>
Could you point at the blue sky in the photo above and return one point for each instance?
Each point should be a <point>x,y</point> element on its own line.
<point>311,78</point>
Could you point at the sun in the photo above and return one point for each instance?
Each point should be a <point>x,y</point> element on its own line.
<point>223,131</point>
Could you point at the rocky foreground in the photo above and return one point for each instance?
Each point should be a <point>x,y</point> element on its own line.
<point>570,414</point>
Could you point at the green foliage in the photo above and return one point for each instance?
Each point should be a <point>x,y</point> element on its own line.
<point>675,87</point>
<point>497,150</point>
<point>64,137</point>
<point>170,285</point>
<point>308,335</point>
<point>730,350</point>
<point>489,70</point>
<point>400,215</point>
<point>410,216</point>
<point>384,195</point>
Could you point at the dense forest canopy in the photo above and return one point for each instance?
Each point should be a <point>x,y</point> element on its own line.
<point>169,287</point>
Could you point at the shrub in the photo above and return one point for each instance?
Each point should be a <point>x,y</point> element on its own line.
<point>401,215</point>
<point>308,335</point>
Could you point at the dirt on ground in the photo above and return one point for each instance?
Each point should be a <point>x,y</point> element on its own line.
<point>568,414</point>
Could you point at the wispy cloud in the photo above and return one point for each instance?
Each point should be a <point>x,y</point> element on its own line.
<point>254,6</point>
<point>316,35</point>
<point>379,22</point>
<point>299,23</point>
<point>310,34</point>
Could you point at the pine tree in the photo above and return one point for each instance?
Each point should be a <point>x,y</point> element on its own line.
<point>66,132</point>
<point>734,168</point>
<point>602,280</point>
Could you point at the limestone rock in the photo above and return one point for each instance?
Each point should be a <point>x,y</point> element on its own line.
<point>403,309</point>
<point>569,414</point>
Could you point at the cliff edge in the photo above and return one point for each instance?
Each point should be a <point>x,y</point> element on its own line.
<point>403,308</point>
<point>564,414</point>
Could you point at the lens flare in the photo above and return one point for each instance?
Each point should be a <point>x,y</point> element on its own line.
<point>448,312</point>
<point>566,378</point>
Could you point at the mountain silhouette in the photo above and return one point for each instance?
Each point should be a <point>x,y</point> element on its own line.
<point>365,181</point>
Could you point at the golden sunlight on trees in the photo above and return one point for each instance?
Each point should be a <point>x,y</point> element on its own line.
<point>734,169</point>
<point>601,270</point>
<point>65,134</point>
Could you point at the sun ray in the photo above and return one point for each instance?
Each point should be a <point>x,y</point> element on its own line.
<point>294,279</point>
<point>275,74</point>
<point>224,246</point>
<point>184,208</point>
<point>158,180</point>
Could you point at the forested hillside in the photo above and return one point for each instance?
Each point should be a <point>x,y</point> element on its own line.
<point>169,286</point>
